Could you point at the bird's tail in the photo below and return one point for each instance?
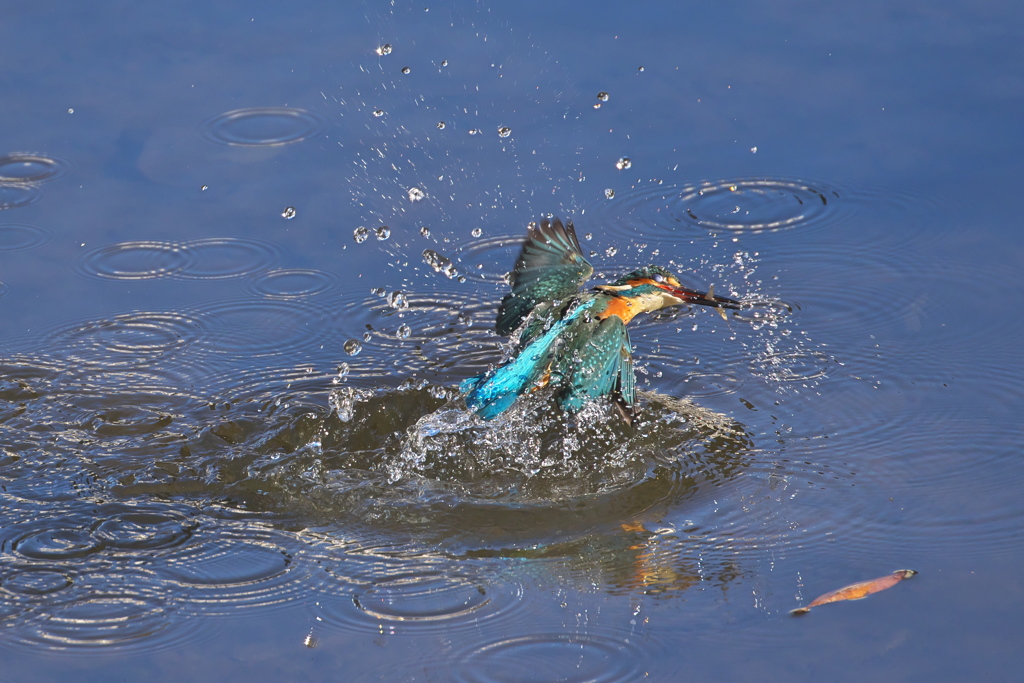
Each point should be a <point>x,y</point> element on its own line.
<point>494,392</point>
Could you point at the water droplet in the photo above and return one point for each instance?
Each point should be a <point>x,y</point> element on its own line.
<point>444,62</point>
<point>367,336</point>
<point>71,110</point>
<point>611,251</point>
<point>399,300</point>
<point>384,49</point>
<point>360,234</point>
<point>378,113</point>
<point>623,163</point>
<point>204,188</point>
<point>425,231</point>
<point>504,132</point>
<point>406,70</point>
<point>603,96</point>
<point>461,279</point>
<point>288,213</point>
<point>353,347</point>
<point>383,232</point>
<point>640,69</point>
<point>440,125</point>
<point>476,232</point>
<point>440,264</point>
<point>609,193</point>
<point>416,194</point>
<point>753,150</point>
<point>597,105</point>
<point>589,236</point>
<point>404,331</point>
<point>343,370</point>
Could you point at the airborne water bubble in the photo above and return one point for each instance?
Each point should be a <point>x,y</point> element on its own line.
<point>504,132</point>
<point>623,163</point>
<point>404,331</point>
<point>353,347</point>
<point>384,49</point>
<point>360,234</point>
<point>476,232</point>
<point>343,371</point>
<point>609,193</point>
<point>399,300</point>
<point>416,194</point>
<point>603,96</point>
<point>383,232</point>
<point>287,214</point>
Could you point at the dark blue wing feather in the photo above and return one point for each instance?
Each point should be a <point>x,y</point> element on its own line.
<point>550,266</point>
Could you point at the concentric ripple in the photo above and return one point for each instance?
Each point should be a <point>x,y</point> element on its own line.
<point>221,575</point>
<point>263,126</point>
<point>56,544</point>
<point>126,610</point>
<point>18,237</point>
<point>744,206</point>
<point>755,205</point>
<point>144,530</point>
<point>15,195</point>
<point>429,315</point>
<point>427,600</point>
<point>37,581</point>
<point>262,327</point>
<point>293,283</point>
<point>128,340</point>
<point>134,260</point>
<point>30,168</point>
<point>566,657</point>
<point>489,258</point>
<point>218,258</point>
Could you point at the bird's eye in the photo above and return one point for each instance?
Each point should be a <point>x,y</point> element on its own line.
<point>659,278</point>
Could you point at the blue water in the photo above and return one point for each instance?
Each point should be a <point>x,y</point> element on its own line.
<point>230,441</point>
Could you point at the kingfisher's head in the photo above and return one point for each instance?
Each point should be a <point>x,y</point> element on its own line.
<point>654,287</point>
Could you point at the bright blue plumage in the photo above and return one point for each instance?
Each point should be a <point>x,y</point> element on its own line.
<point>493,393</point>
<point>574,342</point>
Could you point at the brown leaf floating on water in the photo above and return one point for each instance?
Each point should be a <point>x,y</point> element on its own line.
<point>858,591</point>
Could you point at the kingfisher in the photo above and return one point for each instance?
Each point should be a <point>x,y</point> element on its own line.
<point>573,341</point>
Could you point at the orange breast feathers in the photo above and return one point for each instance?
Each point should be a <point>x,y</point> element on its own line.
<point>622,307</point>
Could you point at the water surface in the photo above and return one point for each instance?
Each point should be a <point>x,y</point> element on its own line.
<point>247,253</point>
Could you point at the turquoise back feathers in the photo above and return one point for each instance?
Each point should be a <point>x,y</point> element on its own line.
<point>562,342</point>
<point>573,342</point>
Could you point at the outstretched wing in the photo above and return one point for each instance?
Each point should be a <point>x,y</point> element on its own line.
<point>602,365</point>
<point>550,266</point>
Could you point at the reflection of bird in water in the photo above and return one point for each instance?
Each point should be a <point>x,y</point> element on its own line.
<point>573,341</point>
